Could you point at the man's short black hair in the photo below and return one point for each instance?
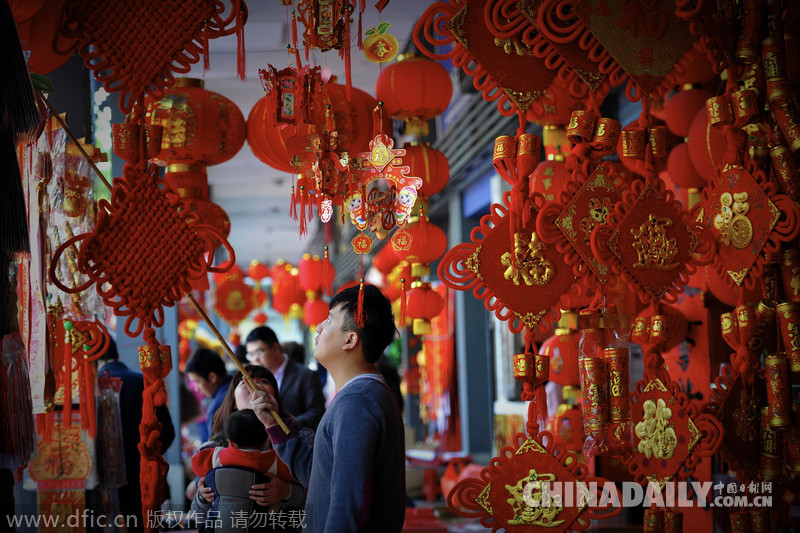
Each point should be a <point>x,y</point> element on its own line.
<point>111,352</point>
<point>379,329</point>
<point>205,362</point>
<point>263,334</point>
<point>245,430</point>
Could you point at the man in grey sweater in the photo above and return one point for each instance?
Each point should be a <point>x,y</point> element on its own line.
<point>355,471</point>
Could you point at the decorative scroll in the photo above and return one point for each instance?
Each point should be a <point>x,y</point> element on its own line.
<point>498,496</point>
<point>524,281</point>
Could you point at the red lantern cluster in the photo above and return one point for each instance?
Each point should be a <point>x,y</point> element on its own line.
<point>315,275</point>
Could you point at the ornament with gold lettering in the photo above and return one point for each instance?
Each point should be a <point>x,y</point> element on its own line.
<point>518,490</point>
<point>652,242</point>
<point>671,434</point>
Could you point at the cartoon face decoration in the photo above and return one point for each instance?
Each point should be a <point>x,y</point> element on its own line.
<point>405,201</point>
<point>355,206</point>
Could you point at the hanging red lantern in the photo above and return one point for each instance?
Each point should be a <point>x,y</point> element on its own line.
<point>260,297</point>
<point>260,319</point>
<point>556,104</point>
<point>566,426</point>
<point>681,170</point>
<point>257,270</point>
<point>37,26</point>
<point>189,181</point>
<point>562,349</point>
<point>680,110</point>
<point>315,311</point>
<point>429,164</point>
<point>279,270</point>
<point>287,292</point>
<point>706,146</point>
<point>234,301</point>
<point>313,275</point>
<point>419,244</point>
<point>550,178</point>
<point>385,260</point>
<point>414,89</point>
<point>200,126</point>
<point>235,273</point>
<point>423,305</point>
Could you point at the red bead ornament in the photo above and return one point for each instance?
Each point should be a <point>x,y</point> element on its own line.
<point>414,89</point>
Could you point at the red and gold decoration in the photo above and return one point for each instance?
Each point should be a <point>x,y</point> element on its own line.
<point>380,46</point>
<point>497,496</point>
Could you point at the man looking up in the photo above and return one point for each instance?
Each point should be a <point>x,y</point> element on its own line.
<point>355,471</point>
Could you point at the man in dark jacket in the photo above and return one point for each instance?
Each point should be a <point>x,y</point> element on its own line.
<point>300,390</point>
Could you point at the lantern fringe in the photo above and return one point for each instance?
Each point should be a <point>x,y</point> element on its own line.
<point>294,35</point>
<point>423,227</point>
<point>327,277</point>
<point>293,204</point>
<point>360,42</point>
<point>345,52</point>
<point>403,301</point>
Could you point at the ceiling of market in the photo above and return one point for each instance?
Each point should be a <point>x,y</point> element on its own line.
<point>256,196</point>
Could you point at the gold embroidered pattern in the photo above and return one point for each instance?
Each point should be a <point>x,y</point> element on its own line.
<point>657,434</point>
<point>528,262</point>
<point>735,229</point>
<point>653,245</point>
<point>533,515</point>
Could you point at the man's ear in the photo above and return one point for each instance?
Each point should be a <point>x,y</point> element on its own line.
<point>351,341</point>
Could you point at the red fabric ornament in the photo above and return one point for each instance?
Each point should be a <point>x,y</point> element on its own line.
<point>415,90</point>
<point>566,425</point>
<point>681,170</point>
<point>513,79</point>
<point>497,495</point>
<point>200,126</point>
<point>725,290</point>
<point>287,292</point>
<point>429,164</point>
<point>235,272</point>
<point>137,49</point>
<point>652,242</point>
<point>685,434</point>
<point>37,26</point>
<point>680,110</point>
<point>562,349</point>
<point>522,281</point>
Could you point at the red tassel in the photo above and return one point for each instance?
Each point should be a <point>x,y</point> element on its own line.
<point>539,406</point>
<point>293,204</point>
<point>403,301</point>
<point>347,74</point>
<point>66,382</point>
<point>241,62</point>
<point>206,55</point>
<point>423,227</point>
<point>327,272</point>
<point>360,302</point>
<point>360,38</point>
<point>294,34</point>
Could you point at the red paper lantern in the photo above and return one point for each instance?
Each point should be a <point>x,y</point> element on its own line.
<point>414,89</point>
<point>200,126</point>
<point>257,270</point>
<point>550,178</point>
<point>353,120</point>
<point>189,181</point>
<point>419,244</point>
<point>385,260</point>
<point>726,291</point>
<point>423,305</point>
<point>260,319</point>
<point>279,269</point>
<point>429,164</point>
<point>287,292</point>
<point>260,297</point>
<point>706,146</point>
<point>312,273</point>
<point>567,427</point>
<point>37,26</point>
<point>315,311</point>
<point>234,273</point>
<point>562,348</point>
<point>696,69</point>
<point>681,170</point>
<point>680,110</point>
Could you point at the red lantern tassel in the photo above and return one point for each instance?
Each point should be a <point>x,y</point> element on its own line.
<point>360,302</point>
<point>360,42</point>
<point>67,378</point>
<point>403,301</point>
<point>346,56</point>
<point>294,36</point>
<point>206,55</point>
<point>423,227</point>
<point>91,421</point>
<point>293,204</point>
<point>327,278</point>
<point>241,62</point>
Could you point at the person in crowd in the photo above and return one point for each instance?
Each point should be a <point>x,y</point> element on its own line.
<point>295,351</point>
<point>275,491</point>
<point>248,447</point>
<point>130,404</point>
<point>300,390</point>
<point>355,470</point>
<point>206,370</point>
